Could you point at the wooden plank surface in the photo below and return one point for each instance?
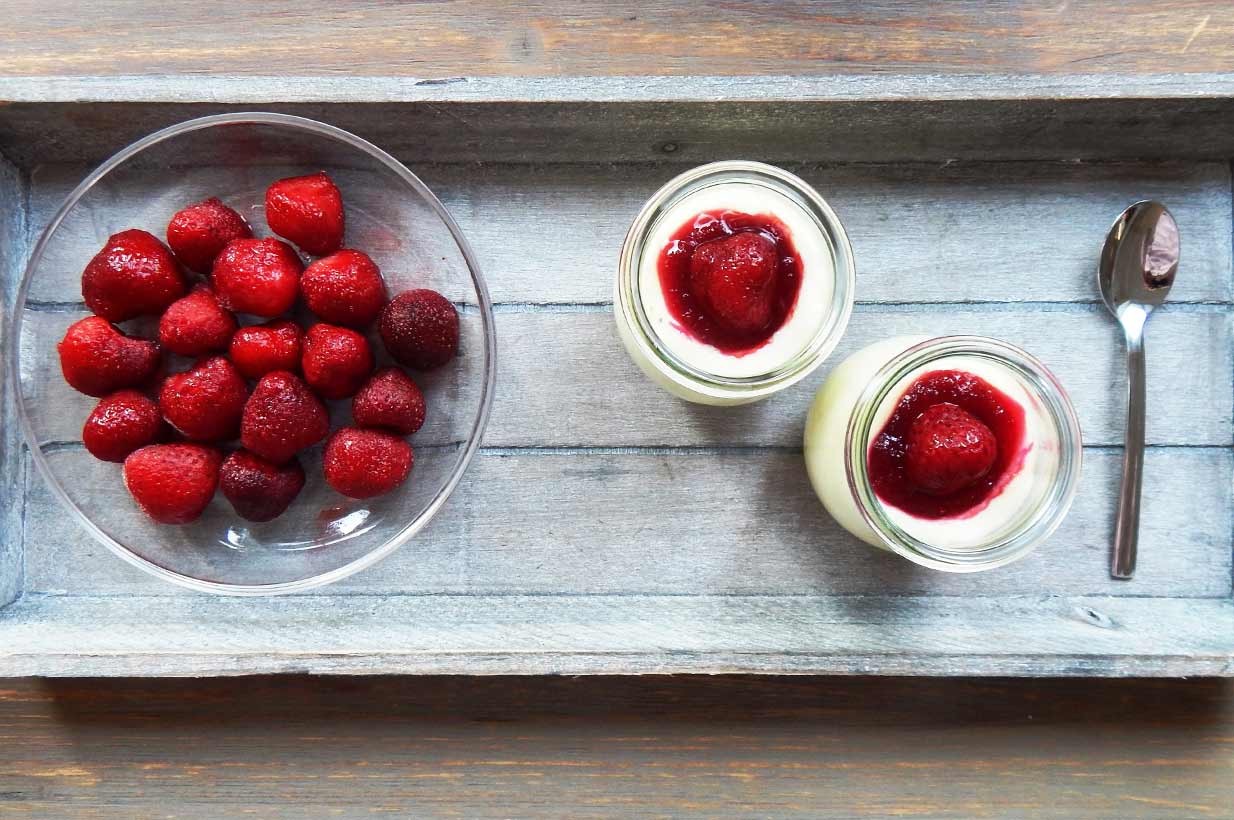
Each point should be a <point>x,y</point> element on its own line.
<point>726,522</point>
<point>958,232</point>
<point>724,747</point>
<point>1033,635</point>
<point>456,39</point>
<point>13,224</point>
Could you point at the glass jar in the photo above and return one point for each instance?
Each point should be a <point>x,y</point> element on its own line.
<point>860,394</point>
<point>693,370</point>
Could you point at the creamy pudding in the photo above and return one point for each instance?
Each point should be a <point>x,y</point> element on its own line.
<point>735,281</point>
<point>960,453</point>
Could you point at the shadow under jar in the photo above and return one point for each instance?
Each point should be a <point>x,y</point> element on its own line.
<point>691,367</point>
<point>1024,506</point>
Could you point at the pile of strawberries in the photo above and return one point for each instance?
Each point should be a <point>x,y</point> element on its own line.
<point>169,430</point>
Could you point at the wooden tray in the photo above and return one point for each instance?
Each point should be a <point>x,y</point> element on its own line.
<point>608,528</point>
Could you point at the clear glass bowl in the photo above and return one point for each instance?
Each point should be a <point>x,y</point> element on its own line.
<point>391,215</point>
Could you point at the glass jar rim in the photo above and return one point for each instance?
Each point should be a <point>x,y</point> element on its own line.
<point>1051,509</point>
<point>629,302</point>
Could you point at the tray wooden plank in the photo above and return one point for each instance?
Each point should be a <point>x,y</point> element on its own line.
<point>609,402</point>
<point>13,216</point>
<point>724,522</point>
<point>479,635</point>
<point>1032,231</point>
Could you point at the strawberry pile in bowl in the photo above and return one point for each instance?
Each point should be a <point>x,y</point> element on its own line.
<point>280,366</point>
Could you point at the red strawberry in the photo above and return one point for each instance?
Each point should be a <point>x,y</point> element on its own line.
<point>173,483</point>
<point>948,449</point>
<point>389,399</point>
<point>205,403</point>
<point>262,349</point>
<point>420,329</point>
<point>734,279</point>
<point>366,463</point>
<point>97,358</point>
<point>197,233</point>
<point>308,211</point>
<point>133,275</point>
<point>344,288</point>
<point>196,324</point>
<point>120,424</point>
<point>258,490</point>
<point>282,417</point>
<point>257,276</point>
<point>336,360</point>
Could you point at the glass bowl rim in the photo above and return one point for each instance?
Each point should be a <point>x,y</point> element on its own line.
<point>407,176</point>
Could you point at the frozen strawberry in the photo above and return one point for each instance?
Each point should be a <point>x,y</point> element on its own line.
<point>97,358</point>
<point>205,403</point>
<point>199,232</point>
<point>196,324</point>
<point>420,329</point>
<point>344,288</point>
<point>366,463</point>
<point>262,349</point>
<point>307,211</point>
<point>120,424</point>
<point>133,275</point>
<point>257,276</point>
<point>948,449</point>
<point>173,483</point>
<point>734,279</point>
<point>258,490</point>
<point>336,360</point>
<point>389,399</point>
<point>282,417</point>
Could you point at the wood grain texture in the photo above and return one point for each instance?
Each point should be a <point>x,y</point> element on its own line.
<point>724,747</point>
<point>960,232</point>
<point>725,523</point>
<point>1017,120</point>
<point>13,222</point>
<point>458,39</point>
<point>1038,635</point>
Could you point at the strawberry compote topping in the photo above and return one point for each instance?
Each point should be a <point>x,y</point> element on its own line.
<point>953,442</point>
<point>730,279</point>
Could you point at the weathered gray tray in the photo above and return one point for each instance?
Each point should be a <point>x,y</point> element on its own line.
<point>608,528</point>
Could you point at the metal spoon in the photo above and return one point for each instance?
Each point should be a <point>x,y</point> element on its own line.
<point>1137,268</point>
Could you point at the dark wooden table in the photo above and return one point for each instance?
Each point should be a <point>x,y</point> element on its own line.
<point>843,747</point>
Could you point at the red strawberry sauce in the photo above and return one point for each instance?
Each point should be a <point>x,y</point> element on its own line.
<point>689,308</point>
<point>993,408</point>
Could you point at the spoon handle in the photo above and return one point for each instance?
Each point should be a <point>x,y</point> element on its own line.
<point>1127,528</point>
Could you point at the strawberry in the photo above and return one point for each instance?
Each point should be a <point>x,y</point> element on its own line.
<point>948,449</point>
<point>420,329</point>
<point>336,360</point>
<point>389,399</point>
<point>205,403</point>
<point>282,417</point>
<point>734,280</point>
<point>97,358</point>
<point>344,288</point>
<point>196,324</point>
<point>262,349</point>
<point>133,275</point>
<point>258,490</point>
<point>366,463</point>
<point>120,424</point>
<point>257,276</point>
<point>197,233</point>
<point>173,483</point>
<point>308,211</point>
